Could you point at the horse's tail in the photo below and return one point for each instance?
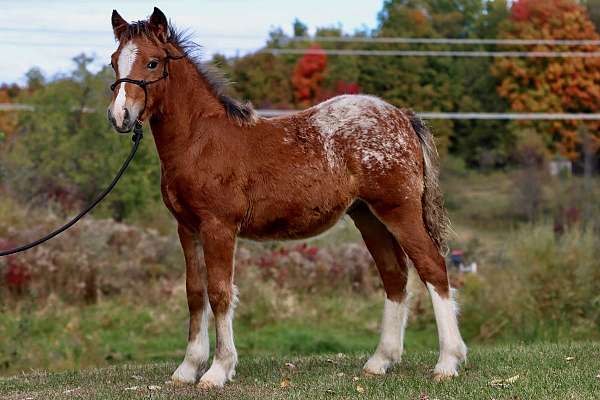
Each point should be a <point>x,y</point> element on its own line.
<point>435,216</point>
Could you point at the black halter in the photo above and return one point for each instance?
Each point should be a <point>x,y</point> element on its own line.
<point>144,85</point>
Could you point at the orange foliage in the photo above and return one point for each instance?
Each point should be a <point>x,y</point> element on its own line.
<point>8,119</point>
<point>418,17</point>
<point>308,76</point>
<point>552,84</point>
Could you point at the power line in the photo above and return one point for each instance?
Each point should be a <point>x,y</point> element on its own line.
<point>16,107</point>
<point>475,116</point>
<point>511,116</point>
<point>424,115</point>
<point>108,32</point>
<point>450,41</point>
<point>346,39</point>
<point>436,53</point>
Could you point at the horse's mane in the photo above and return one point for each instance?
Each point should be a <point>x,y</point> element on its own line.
<point>241,112</point>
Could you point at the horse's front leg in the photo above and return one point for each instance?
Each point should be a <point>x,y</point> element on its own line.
<point>198,347</point>
<point>218,241</point>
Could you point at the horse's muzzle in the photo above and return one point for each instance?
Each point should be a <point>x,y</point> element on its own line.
<point>127,124</point>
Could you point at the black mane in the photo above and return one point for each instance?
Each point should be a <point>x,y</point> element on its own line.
<point>241,112</point>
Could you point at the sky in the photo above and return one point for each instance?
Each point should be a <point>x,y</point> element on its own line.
<point>48,34</point>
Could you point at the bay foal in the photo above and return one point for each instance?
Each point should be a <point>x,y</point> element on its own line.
<point>227,173</point>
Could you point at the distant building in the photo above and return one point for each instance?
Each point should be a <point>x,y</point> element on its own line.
<point>560,166</point>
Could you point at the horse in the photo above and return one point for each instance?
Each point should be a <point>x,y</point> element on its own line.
<point>227,173</point>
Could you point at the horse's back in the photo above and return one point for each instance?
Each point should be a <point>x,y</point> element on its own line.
<point>359,135</point>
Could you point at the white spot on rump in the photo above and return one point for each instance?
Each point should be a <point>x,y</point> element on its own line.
<point>125,64</point>
<point>368,125</point>
<point>452,347</point>
<point>391,344</point>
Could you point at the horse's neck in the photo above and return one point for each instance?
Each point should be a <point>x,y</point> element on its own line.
<point>187,100</point>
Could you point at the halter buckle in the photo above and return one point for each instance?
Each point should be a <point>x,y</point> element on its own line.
<point>138,131</point>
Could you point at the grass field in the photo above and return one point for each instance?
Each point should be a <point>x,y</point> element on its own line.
<point>540,371</point>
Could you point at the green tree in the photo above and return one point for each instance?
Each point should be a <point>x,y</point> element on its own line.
<point>593,9</point>
<point>442,83</point>
<point>300,28</point>
<point>67,152</point>
<point>35,79</point>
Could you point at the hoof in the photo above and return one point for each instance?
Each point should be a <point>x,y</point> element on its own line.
<point>215,377</point>
<point>447,366</point>
<point>370,372</point>
<point>185,374</point>
<point>440,377</point>
<point>208,385</point>
<point>375,367</point>
<point>444,373</point>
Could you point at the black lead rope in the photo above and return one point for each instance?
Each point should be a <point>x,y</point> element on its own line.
<point>137,138</point>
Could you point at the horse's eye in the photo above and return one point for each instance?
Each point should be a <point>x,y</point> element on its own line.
<point>152,64</point>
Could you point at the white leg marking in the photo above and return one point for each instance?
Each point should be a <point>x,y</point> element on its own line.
<point>391,344</point>
<point>225,360</point>
<point>452,347</point>
<point>196,354</point>
<point>126,60</point>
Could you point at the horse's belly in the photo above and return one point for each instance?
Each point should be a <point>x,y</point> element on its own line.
<point>299,223</point>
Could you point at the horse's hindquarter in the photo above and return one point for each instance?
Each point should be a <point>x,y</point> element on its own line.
<point>373,141</point>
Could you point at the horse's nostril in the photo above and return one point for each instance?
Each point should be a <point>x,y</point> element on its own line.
<point>126,117</point>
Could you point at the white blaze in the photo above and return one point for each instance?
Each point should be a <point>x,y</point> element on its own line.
<point>125,63</point>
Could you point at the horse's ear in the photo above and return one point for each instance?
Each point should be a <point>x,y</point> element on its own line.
<point>159,25</point>
<point>173,51</point>
<point>118,23</point>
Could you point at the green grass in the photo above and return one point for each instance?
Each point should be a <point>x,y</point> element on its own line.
<point>540,371</point>
<point>61,337</point>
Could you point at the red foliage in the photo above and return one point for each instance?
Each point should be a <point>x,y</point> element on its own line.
<point>540,10</point>
<point>16,275</point>
<point>309,74</point>
<point>341,87</point>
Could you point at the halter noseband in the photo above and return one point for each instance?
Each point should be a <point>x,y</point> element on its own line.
<point>144,85</point>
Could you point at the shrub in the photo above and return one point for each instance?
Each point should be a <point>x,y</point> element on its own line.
<point>542,286</point>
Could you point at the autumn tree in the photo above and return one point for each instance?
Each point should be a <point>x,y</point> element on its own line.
<point>443,83</point>
<point>309,75</point>
<point>552,84</point>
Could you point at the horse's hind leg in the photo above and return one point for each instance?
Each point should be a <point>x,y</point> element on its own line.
<point>391,263</point>
<point>405,221</point>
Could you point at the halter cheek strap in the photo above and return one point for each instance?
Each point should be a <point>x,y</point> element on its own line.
<point>144,84</point>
